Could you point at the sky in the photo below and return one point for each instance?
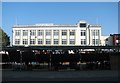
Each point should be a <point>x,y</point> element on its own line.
<point>103,13</point>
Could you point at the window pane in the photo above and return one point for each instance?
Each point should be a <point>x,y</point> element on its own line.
<point>97,33</point>
<point>64,32</point>
<point>17,41</point>
<point>56,41</point>
<point>40,32</point>
<point>32,41</point>
<point>72,41</point>
<point>55,32</point>
<point>83,41</point>
<point>17,32</point>
<point>93,32</point>
<point>83,33</point>
<point>32,32</point>
<point>64,41</point>
<point>48,32</point>
<point>25,32</point>
<point>48,41</point>
<point>40,41</point>
<point>93,41</point>
<point>25,41</point>
<point>82,24</point>
<point>72,32</point>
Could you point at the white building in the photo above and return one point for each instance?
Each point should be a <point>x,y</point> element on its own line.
<point>103,40</point>
<point>82,34</point>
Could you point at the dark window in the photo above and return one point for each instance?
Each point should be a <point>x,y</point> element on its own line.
<point>48,41</point>
<point>83,32</point>
<point>32,41</point>
<point>64,41</point>
<point>82,24</point>
<point>25,41</point>
<point>72,32</point>
<point>72,41</point>
<point>56,41</point>
<point>17,41</point>
<point>40,41</point>
<point>83,41</point>
<point>64,32</point>
<point>40,32</point>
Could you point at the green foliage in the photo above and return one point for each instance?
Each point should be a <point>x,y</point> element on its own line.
<point>119,39</point>
<point>4,39</point>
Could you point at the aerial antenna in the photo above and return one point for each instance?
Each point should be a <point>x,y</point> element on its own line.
<point>97,20</point>
<point>16,21</point>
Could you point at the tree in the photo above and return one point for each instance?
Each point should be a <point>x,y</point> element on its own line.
<point>4,39</point>
<point>119,39</point>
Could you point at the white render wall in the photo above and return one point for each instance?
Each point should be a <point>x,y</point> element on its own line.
<point>52,27</point>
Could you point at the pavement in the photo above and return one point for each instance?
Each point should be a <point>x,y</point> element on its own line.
<point>61,75</point>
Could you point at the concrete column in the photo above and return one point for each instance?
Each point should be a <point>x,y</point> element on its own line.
<point>77,37</point>
<point>87,36</point>
<point>51,37</point>
<point>68,35</point>
<point>60,37</point>
<point>21,37</point>
<point>29,37</point>
<point>36,38</point>
<point>99,35</point>
<point>90,36</point>
<point>44,38</point>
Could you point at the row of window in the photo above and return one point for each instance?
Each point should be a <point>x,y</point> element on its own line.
<point>55,32</point>
<point>56,41</point>
<point>41,32</point>
<point>48,41</point>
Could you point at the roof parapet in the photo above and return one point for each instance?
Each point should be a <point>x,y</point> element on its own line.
<point>95,25</point>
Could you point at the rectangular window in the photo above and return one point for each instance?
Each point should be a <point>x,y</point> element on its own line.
<point>40,41</point>
<point>48,32</point>
<point>72,41</point>
<point>93,41</point>
<point>55,32</point>
<point>32,41</point>
<point>48,41</point>
<point>64,41</point>
<point>97,41</point>
<point>83,32</point>
<point>40,32</point>
<point>32,32</point>
<point>64,32</point>
<point>83,41</point>
<point>72,32</point>
<point>25,32</point>
<point>17,32</point>
<point>17,41</point>
<point>97,33</point>
<point>25,41</point>
<point>56,41</point>
<point>93,32</point>
<point>82,24</point>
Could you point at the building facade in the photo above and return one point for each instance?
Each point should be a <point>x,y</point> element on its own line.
<point>82,33</point>
<point>113,40</point>
<point>103,41</point>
